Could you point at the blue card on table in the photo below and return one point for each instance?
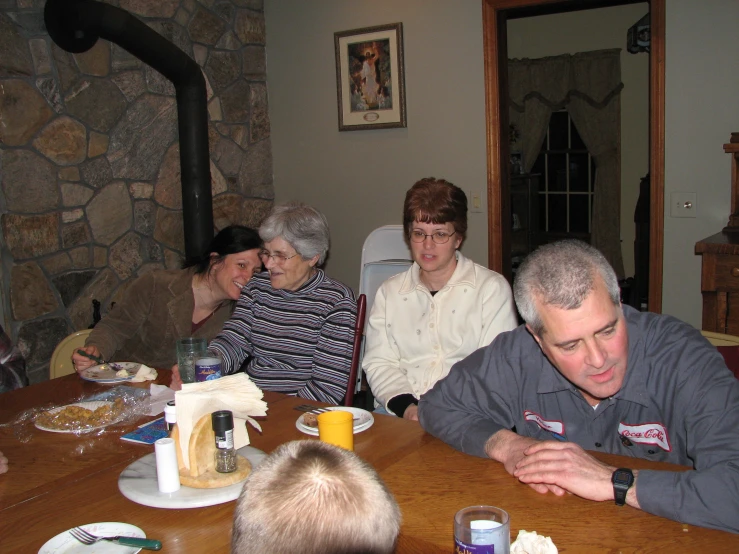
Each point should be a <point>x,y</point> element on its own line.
<point>148,433</point>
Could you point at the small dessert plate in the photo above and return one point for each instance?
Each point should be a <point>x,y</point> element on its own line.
<point>363,420</point>
<point>64,543</point>
<point>104,373</point>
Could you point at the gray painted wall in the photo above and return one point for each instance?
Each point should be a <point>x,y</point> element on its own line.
<point>359,178</point>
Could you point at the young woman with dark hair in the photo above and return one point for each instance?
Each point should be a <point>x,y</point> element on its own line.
<point>164,305</point>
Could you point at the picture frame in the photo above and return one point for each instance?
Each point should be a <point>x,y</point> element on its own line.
<point>370,78</point>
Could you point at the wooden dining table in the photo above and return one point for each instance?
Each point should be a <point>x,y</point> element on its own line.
<point>58,481</point>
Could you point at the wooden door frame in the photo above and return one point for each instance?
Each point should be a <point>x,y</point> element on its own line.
<point>496,114</point>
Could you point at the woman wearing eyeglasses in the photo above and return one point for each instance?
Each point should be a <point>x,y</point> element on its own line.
<point>294,322</point>
<point>441,310</point>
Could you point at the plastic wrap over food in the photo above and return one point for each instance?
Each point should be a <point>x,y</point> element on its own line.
<point>87,415</point>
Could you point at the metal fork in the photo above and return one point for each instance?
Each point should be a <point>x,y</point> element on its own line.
<point>324,410</point>
<point>315,410</point>
<point>87,538</point>
<point>99,360</point>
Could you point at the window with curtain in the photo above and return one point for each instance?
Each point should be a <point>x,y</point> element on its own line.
<point>566,186</point>
<point>588,85</point>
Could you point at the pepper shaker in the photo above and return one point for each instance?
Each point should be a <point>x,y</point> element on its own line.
<point>223,426</point>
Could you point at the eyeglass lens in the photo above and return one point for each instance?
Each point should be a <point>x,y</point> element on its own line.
<point>439,237</point>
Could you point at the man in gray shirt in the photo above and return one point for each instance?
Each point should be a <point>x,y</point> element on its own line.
<point>587,373</point>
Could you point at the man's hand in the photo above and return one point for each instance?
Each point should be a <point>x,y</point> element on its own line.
<point>567,466</point>
<point>411,412</point>
<point>176,382</point>
<point>509,448</point>
<point>81,362</point>
<point>3,463</point>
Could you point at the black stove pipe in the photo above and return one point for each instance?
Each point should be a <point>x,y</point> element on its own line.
<point>76,25</point>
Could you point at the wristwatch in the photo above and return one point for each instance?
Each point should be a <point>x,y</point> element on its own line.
<point>622,480</point>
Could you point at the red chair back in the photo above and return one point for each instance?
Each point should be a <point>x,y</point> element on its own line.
<point>358,332</point>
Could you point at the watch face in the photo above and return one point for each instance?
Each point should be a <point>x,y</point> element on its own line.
<point>623,477</point>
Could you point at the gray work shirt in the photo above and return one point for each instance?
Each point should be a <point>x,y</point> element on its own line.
<point>679,403</point>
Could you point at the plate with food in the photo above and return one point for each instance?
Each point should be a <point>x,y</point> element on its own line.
<point>65,543</point>
<point>308,424</point>
<point>117,372</point>
<point>80,416</point>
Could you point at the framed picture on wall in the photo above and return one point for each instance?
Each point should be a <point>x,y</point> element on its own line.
<point>370,79</point>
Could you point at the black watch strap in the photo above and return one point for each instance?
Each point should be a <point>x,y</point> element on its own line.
<point>622,479</point>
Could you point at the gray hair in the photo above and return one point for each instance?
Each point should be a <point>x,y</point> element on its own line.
<point>305,228</point>
<point>561,274</point>
<point>309,497</point>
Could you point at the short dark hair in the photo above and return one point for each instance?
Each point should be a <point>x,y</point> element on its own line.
<point>229,240</point>
<point>309,497</point>
<point>433,200</point>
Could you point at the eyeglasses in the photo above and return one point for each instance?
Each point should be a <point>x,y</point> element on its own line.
<point>278,258</point>
<point>439,237</point>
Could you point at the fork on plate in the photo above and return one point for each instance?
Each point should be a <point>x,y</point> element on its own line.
<point>99,360</point>
<point>307,408</point>
<point>87,538</point>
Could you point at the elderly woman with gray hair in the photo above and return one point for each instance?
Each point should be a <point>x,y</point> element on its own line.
<point>294,323</point>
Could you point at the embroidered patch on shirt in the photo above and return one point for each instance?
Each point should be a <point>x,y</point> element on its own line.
<point>552,426</point>
<point>646,433</point>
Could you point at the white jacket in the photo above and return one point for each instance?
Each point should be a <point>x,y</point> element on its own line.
<point>413,339</point>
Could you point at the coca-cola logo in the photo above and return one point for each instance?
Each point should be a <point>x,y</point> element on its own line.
<point>646,433</point>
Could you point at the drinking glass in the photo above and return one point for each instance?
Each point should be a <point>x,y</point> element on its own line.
<point>482,530</point>
<point>188,350</point>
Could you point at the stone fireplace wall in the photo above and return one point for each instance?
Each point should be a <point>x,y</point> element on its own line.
<point>89,158</point>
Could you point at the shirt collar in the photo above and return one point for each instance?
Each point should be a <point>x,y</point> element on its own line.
<point>310,285</point>
<point>634,388</point>
<point>464,274</point>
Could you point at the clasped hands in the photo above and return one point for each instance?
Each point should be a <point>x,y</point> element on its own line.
<point>552,466</point>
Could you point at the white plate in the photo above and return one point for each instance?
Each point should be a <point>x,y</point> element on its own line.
<point>64,543</point>
<point>365,420</point>
<point>94,405</point>
<point>138,482</point>
<point>105,374</point>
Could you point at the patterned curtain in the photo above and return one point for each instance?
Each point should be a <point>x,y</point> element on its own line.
<point>588,85</point>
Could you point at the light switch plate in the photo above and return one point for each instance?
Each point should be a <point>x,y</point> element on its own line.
<point>683,204</point>
<point>475,202</point>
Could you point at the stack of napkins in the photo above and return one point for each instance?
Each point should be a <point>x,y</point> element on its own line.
<point>531,543</point>
<point>236,393</point>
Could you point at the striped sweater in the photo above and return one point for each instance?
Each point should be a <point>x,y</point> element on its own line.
<point>299,342</point>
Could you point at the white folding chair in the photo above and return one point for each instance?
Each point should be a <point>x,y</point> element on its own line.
<point>384,254</point>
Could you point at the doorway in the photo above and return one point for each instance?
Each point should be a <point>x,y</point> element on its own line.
<point>495,17</point>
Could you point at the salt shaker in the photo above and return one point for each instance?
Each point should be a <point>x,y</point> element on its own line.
<point>223,426</point>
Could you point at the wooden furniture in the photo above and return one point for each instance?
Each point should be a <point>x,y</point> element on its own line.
<point>720,264</point>
<point>58,481</point>
<point>721,339</point>
<point>351,386</point>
